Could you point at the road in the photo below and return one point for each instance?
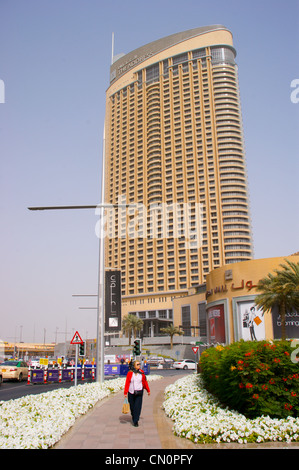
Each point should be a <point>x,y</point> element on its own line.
<point>10,390</point>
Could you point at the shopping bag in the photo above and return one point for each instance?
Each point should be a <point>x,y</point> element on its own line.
<point>126,407</point>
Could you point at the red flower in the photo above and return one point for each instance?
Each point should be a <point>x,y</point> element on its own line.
<point>257,370</point>
<point>255,396</point>
<point>265,387</point>
<point>287,406</point>
<point>241,385</point>
<point>287,353</point>
<point>271,381</point>
<point>294,394</point>
<point>249,385</point>
<point>276,359</point>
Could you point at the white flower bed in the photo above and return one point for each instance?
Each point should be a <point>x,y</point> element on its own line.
<point>197,416</point>
<point>39,421</point>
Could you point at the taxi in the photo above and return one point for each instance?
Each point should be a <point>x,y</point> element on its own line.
<point>16,370</point>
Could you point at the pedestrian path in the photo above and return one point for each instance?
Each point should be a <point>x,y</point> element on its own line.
<point>105,427</point>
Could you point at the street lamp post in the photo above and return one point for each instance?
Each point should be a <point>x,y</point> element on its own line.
<point>100,304</point>
<point>101,279</point>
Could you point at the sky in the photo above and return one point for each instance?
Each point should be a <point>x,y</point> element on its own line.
<point>55,57</point>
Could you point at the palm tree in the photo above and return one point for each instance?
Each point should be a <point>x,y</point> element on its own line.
<point>281,290</point>
<point>131,323</point>
<point>171,331</point>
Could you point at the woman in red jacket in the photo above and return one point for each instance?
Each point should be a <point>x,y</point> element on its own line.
<point>135,383</point>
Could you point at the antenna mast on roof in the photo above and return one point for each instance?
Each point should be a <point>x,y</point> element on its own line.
<point>112,53</point>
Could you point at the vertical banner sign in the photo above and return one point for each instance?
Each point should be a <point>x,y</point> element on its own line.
<point>112,301</point>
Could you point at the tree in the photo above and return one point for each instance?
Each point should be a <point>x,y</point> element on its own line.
<point>281,290</point>
<point>131,323</point>
<point>171,331</point>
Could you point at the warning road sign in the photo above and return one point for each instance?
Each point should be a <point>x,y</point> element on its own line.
<point>195,349</point>
<point>77,339</point>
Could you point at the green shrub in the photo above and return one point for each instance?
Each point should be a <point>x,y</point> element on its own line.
<point>253,377</point>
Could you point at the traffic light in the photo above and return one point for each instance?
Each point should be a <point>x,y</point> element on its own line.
<point>82,349</point>
<point>137,347</point>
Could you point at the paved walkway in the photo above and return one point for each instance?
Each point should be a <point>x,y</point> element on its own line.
<point>105,427</point>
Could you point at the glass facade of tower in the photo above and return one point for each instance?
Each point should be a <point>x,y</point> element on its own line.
<point>175,153</point>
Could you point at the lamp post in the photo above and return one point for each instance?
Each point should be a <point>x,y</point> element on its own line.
<point>101,275</point>
<point>101,286</point>
<point>100,304</point>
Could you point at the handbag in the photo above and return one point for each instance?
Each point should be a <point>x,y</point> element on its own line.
<point>126,407</point>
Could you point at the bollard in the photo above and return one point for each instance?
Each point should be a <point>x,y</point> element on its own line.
<point>92,372</point>
<point>29,376</point>
<point>82,375</point>
<point>60,375</point>
<point>72,375</point>
<point>45,376</point>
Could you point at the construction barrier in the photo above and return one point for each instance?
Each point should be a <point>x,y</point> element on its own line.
<point>36,376</point>
<point>53,375</point>
<point>66,375</point>
<point>121,369</point>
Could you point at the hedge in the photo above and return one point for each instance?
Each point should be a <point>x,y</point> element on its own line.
<point>253,377</point>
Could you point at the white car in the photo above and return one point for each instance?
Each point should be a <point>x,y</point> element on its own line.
<point>184,364</point>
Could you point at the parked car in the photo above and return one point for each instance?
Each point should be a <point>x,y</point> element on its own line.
<point>154,361</point>
<point>17,370</point>
<point>166,364</point>
<point>184,364</point>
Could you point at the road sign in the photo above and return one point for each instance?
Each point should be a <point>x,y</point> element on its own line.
<point>195,349</point>
<point>77,339</point>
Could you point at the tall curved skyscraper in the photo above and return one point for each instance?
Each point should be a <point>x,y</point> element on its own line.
<point>174,153</point>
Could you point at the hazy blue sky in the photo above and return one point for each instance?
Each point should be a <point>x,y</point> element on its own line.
<point>54,61</point>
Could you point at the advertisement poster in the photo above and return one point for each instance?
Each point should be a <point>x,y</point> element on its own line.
<point>112,301</point>
<point>292,324</point>
<point>216,324</point>
<point>251,321</point>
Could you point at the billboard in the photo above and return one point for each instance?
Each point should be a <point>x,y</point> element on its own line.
<point>292,324</point>
<point>250,321</point>
<point>112,301</point>
<point>216,324</point>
